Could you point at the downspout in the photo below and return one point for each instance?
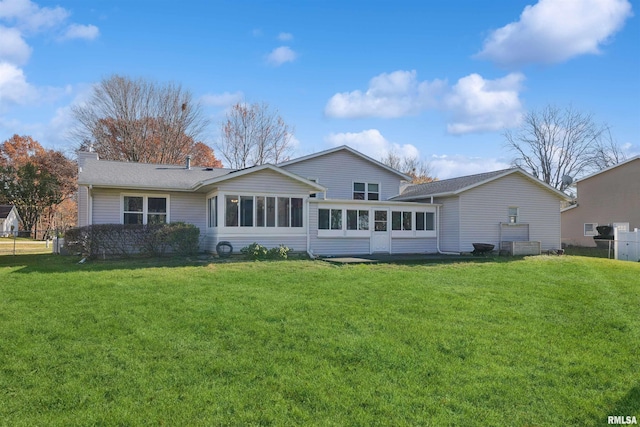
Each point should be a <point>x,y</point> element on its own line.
<point>438,234</point>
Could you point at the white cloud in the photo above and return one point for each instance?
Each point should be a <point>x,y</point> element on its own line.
<point>13,48</point>
<point>30,17</point>
<point>14,88</point>
<point>372,143</point>
<point>281,55</point>
<point>474,104</point>
<point>445,167</point>
<point>285,37</point>
<point>225,99</point>
<point>77,31</point>
<point>390,95</point>
<point>478,105</point>
<point>553,31</point>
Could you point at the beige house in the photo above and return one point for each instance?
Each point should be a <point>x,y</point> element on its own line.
<point>609,197</point>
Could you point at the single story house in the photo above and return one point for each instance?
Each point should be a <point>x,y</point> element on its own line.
<point>9,220</point>
<point>608,197</point>
<point>335,202</point>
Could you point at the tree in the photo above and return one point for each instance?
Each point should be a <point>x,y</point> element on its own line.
<point>253,134</point>
<point>418,170</point>
<point>34,179</point>
<point>142,121</point>
<point>555,143</point>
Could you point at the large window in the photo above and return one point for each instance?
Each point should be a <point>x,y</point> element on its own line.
<point>145,209</point>
<point>263,211</point>
<point>425,221</point>
<point>366,191</point>
<point>330,219</point>
<point>357,219</point>
<point>401,220</point>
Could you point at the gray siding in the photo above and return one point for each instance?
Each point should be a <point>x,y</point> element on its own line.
<point>338,170</point>
<point>265,181</point>
<point>449,224</point>
<point>484,207</point>
<point>413,246</point>
<point>83,206</point>
<point>106,206</point>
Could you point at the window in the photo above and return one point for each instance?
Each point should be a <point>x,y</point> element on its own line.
<point>590,229</point>
<point>513,215</point>
<point>330,219</point>
<point>401,221</point>
<point>145,210</point>
<point>425,221</point>
<point>357,219</point>
<point>246,211</point>
<point>213,212</point>
<point>231,211</point>
<point>366,191</point>
<point>380,221</point>
<point>261,211</point>
<point>133,210</point>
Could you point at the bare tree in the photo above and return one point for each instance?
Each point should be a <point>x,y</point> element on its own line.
<point>554,143</point>
<point>418,170</point>
<point>607,152</point>
<point>253,134</point>
<point>140,121</point>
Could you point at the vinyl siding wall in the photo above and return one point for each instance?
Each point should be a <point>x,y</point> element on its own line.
<point>484,207</point>
<point>449,223</point>
<point>183,207</point>
<point>337,171</point>
<point>264,182</point>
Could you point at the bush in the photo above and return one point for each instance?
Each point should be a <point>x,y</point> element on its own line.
<point>126,239</point>
<point>257,251</point>
<point>254,251</point>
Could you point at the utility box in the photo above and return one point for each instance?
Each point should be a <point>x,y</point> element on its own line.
<point>521,248</point>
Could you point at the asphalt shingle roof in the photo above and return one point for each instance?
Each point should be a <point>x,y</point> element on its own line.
<point>145,176</point>
<point>447,186</point>
<point>4,211</point>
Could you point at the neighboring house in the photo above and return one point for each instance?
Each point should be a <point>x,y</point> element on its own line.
<point>493,207</point>
<point>9,220</point>
<point>335,202</point>
<point>608,197</point>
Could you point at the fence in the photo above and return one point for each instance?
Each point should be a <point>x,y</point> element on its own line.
<point>16,244</point>
<point>626,244</point>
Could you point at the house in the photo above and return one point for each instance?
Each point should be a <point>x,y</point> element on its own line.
<point>608,197</point>
<point>507,205</point>
<point>9,220</point>
<point>335,202</point>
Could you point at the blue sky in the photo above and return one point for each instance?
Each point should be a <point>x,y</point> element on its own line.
<point>441,80</point>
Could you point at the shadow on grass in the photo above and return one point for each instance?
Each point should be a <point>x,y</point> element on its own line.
<point>629,405</point>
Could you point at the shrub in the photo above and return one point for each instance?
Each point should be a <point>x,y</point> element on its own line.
<point>254,251</point>
<point>257,251</point>
<point>126,239</point>
<point>281,252</point>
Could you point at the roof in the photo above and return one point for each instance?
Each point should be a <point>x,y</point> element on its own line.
<point>352,151</point>
<point>144,176</point>
<point>609,168</point>
<point>454,186</point>
<point>4,211</point>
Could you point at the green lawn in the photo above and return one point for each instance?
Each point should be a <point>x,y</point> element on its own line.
<point>525,342</point>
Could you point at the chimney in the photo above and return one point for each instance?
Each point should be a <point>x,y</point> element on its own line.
<point>188,162</point>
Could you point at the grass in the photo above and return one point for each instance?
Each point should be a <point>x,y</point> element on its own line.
<point>530,342</point>
<point>23,246</point>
